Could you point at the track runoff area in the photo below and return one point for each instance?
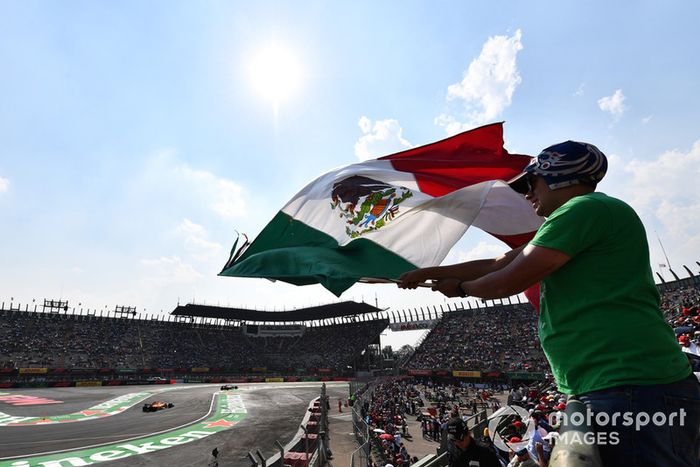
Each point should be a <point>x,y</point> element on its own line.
<point>62,427</point>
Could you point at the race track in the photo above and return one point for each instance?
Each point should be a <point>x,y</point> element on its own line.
<point>106,424</point>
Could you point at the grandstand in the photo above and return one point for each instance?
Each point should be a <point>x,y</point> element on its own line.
<point>38,345</point>
<point>200,342</point>
<point>494,339</point>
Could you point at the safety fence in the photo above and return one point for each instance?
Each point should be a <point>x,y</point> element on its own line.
<point>361,456</point>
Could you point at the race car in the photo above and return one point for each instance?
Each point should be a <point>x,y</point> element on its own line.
<point>226,387</point>
<point>157,405</point>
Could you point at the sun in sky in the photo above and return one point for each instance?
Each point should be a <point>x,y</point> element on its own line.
<point>275,72</point>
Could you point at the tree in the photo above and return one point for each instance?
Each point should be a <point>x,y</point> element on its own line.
<point>403,351</point>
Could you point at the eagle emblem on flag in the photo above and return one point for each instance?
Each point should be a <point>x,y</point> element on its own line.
<point>366,204</point>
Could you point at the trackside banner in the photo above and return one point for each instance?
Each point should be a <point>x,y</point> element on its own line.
<point>87,383</point>
<point>33,371</point>
<point>466,374</point>
<point>420,372</point>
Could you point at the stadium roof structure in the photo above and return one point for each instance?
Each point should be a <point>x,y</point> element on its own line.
<point>334,310</point>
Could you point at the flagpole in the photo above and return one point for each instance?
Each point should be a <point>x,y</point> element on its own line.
<point>381,280</point>
<point>668,263</point>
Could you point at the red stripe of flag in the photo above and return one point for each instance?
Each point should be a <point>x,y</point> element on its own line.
<point>465,159</point>
<point>462,160</point>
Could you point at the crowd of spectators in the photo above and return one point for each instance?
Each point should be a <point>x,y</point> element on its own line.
<point>497,338</point>
<point>66,341</point>
<point>529,439</point>
<point>501,338</point>
<point>385,412</point>
<point>52,340</point>
<point>681,309</point>
<point>388,407</point>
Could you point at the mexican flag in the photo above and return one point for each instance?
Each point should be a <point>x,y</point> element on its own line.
<point>374,220</point>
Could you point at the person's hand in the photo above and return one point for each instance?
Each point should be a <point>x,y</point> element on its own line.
<point>539,449</point>
<point>449,287</point>
<point>411,279</point>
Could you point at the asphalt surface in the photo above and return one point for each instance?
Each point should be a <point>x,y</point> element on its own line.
<point>274,412</point>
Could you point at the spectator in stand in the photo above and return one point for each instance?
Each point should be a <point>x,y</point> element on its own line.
<point>385,411</point>
<point>403,452</point>
<point>688,345</point>
<point>464,448</point>
<point>501,456</point>
<point>591,255</point>
<point>436,429</point>
<point>542,428</point>
<point>496,338</point>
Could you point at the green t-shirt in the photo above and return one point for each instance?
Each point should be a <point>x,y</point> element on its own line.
<point>600,323</point>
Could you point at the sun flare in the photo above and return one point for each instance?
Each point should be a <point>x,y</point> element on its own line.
<point>275,73</point>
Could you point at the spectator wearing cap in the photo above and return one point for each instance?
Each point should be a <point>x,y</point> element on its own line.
<point>688,345</point>
<point>464,448</point>
<point>591,259</point>
<point>403,452</point>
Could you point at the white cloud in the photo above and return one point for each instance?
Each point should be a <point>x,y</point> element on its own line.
<point>488,84</point>
<point>662,191</point>
<point>189,228</point>
<point>379,139</point>
<point>615,104</point>
<point>452,126</point>
<point>579,90</point>
<point>166,271</point>
<point>197,242</point>
<point>221,195</point>
<point>4,185</point>
<point>647,119</point>
<point>483,250</point>
<point>178,188</point>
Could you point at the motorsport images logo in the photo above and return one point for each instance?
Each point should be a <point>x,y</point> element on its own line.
<point>599,428</point>
<point>501,426</point>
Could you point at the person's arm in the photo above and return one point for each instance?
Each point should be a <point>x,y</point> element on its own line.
<point>533,264</point>
<point>541,459</point>
<point>469,270</point>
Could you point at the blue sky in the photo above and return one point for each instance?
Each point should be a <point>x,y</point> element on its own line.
<point>135,141</point>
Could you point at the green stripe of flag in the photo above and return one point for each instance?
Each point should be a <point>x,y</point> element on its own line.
<point>291,251</point>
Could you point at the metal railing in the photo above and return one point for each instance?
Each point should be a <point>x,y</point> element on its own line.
<point>570,449</point>
<point>361,456</point>
<point>432,460</point>
<point>318,457</point>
